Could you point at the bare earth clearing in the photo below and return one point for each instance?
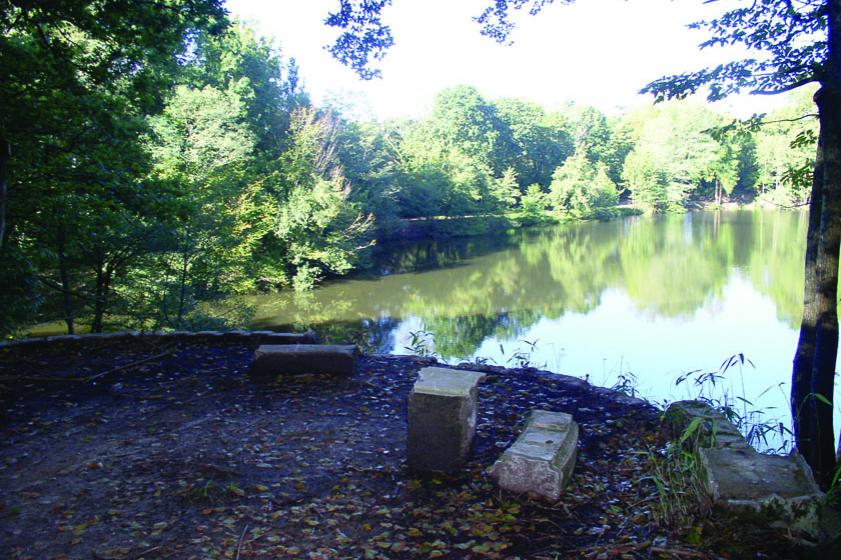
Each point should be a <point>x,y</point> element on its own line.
<point>183,455</point>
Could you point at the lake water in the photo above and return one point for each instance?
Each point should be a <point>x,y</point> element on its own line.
<point>643,299</point>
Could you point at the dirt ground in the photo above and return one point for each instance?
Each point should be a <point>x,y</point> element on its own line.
<point>176,452</point>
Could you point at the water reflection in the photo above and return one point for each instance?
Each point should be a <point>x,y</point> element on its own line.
<point>655,297</point>
<point>467,290</point>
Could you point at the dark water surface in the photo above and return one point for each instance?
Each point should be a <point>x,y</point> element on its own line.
<point>644,299</point>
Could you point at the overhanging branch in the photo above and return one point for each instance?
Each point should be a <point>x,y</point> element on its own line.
<point>784,89</point>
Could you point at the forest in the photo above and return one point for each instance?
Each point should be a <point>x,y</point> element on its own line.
<point>143,177</point>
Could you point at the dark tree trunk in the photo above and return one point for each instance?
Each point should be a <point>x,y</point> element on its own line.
<point>100,304</point>
<point>66,287</point>
<point>833,80</point>
<point>182,291</point>
<point>5,156</point>
<point>813,373</point>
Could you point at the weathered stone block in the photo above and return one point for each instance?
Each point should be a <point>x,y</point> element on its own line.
<point>292,359</point>
<point>714,430</point>
<point>743,481</point>
<point>771,486</point>
<point>442,418</point>
<point>541,461</point>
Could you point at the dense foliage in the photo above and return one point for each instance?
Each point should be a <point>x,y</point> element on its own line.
<point>178,166</point>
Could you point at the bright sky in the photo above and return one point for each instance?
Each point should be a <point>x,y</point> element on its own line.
<point>595,52</point>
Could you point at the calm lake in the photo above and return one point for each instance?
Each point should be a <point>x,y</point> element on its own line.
<point>640,300</point>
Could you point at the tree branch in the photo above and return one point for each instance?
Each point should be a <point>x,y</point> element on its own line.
<point>784,89</point>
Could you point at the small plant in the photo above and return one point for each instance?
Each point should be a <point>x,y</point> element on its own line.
<point>677,492</point>
<point>679,497</point>
<point>210,493</point>
<point>833,495</point>
<point>420,343</point>
<point>523,358</point>
<point>626,383</point>
<point>483,360</point>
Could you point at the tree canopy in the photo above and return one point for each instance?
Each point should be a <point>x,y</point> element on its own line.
<point>127,209</point>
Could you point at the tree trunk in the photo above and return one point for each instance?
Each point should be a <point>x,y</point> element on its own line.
<point>66,288</point>
<point>813,373</point>
<point>182,292</point>
<point>100,295</point>
<point>833,79</point>
<point>5,156</point>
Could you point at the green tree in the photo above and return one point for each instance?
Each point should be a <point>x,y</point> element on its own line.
<point>589,130</point>
<point>319,229</point>
<point>537,142</point>
<point>785,151</point>
<point>673,136</point>
<point>370,157</point>
<point>75,52</point>
<point>646,181</point>
<point>445,172</point>
<point>72,203</point>
<point>533,204</point>
<point>462,119</point>
<point>579,186</point>
<point>723,172</point>
<point>239,61</point>
<point>505,190</point>
<point>201,143</point>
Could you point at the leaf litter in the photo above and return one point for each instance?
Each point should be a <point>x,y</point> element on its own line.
<point>180,454</point>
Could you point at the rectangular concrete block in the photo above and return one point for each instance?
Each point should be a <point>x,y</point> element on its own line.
<point>771,486</point>
<point>442,419</point>
<point>541,461</point>
<point>294,359</point>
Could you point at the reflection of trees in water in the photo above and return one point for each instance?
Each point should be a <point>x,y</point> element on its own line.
<point>375,336</point>
<point>465,291</point>
<point>675,264</point>
<point>460,337</point>
<point>580,264</point>
<point>777,261</point>
<point>416,256</point>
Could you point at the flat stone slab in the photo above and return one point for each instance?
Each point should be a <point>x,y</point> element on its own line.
<point>294,359</point>
<point>541,461</point>
<point>442,419</point>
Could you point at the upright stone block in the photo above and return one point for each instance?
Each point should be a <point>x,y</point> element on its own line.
<point>442,418</point>
<point>541,461</point>
<point>293,359</point>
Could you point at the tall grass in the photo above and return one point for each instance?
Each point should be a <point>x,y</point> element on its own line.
<point>716,388</point>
